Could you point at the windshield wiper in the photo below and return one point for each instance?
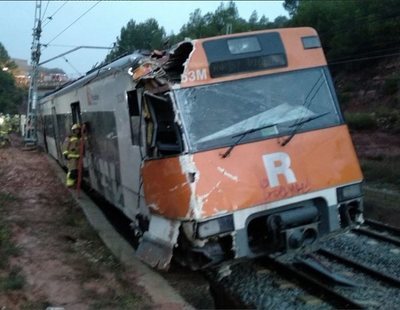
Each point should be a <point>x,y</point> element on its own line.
<point>241,136</point>
<point>297,126</point>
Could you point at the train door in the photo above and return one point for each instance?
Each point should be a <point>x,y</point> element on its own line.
<point>56,133</point>
<point>76,113</point>
<point>163,135</point>
<point>136,150</point>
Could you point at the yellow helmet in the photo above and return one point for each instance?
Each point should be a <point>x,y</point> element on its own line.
<point>75,126</point>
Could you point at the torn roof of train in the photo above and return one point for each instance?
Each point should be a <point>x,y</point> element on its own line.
<point>172,63</point>
<point>131,60</point>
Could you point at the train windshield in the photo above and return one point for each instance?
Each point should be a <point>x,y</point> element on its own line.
<point>262,107</point>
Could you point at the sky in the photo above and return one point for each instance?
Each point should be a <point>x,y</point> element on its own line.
<point>100,26</point>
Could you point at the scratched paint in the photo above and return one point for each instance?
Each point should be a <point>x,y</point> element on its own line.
<point>227,174</point>
<point>189,168</point>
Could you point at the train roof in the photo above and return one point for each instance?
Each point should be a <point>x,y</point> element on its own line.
<point>131,60</point>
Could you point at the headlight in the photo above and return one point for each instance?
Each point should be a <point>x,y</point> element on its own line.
<point>349,192</point>
<point>215,226</point>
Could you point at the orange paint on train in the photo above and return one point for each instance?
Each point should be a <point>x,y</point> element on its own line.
<point>297,57</point>
<point>319,159</point>
<point>166,189</point>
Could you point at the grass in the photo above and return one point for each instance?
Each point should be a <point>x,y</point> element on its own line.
<point>392,85</point>
<point>6,198</point>
<point>7,248</point>
<point>95,259</point>
<point>13,281</point>
<point>382,171</point>
<point>35,305</point>
<point>123,301</point>
<point>360,120</point>
<point>384,119</point>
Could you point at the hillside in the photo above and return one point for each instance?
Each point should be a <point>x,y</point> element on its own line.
<point>369,94</point>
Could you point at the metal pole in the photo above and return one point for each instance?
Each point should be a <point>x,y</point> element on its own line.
<point>30,129</point>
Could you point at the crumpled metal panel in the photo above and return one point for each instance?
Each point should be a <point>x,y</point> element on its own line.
<point>157,244</point>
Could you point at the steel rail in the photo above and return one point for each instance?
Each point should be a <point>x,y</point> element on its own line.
<point>314,286</point>
<point>377,235</point>
<point>382,226</point>
<point>360,266</point>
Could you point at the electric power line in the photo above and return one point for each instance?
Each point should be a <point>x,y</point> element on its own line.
<point>87,11</point>
<point>363,59</point>
<point>67,61</point>
<point>371,53</point>
<point>45,10</point>
<point>50,18</point>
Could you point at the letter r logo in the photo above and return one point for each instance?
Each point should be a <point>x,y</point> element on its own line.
<point>276,164</point>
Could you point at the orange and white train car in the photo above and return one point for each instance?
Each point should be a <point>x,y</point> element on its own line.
<point>242,147</point>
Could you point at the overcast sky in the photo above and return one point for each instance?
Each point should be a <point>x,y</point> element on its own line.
<point>100,26</point>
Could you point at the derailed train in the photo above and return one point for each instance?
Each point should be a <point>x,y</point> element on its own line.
<point>218,149</point>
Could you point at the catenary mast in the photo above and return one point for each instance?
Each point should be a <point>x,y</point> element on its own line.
<point>30,132</point>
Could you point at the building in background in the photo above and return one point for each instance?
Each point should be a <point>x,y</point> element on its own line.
<point>49,78</point>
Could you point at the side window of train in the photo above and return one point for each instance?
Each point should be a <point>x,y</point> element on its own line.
<point>134,116</point>
<point>163,135</point>
<point>76,112</point>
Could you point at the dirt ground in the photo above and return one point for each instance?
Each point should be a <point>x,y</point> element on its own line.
<point>375,144</point>
<point>49,256</point>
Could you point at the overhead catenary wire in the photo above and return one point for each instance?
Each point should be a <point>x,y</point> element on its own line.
<point>76,20</point>
<point>67,61</point>
<point>50,18</point>
<point>45,10</point>
<point>363,59</point>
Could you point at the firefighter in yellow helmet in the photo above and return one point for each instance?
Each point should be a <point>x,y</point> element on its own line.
<point>71,154</point>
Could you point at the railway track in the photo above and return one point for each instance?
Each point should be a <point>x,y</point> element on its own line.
<point>357,269</point>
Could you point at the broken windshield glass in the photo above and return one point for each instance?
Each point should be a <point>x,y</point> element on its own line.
<point>214,113</point>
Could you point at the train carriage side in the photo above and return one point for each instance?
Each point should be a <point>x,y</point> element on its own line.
<point>104,101</point>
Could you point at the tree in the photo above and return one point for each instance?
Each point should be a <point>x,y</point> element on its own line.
<point>348,28</point>
<point>225,17</point>
<point>149,35</point>
<point>291,6</point>
<point>135,36</point>
<point>11,96</point>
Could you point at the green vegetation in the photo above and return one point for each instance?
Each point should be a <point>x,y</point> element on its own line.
<point>7,248</point>
<point>382,172</point>
<point>94,260</point>
<point>14,280</point>
<point>149,35</point>
<point>35,305</point>
<point>11,96</point>
<point>385,119</point>
<point>360,121</point>
<point>392,85</point>
<point>125,301</point>
<point>350,28</point>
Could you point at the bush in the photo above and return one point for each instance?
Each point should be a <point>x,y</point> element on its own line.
<point>388,119</point>
<point>14,281</point>
<point>391,85</point>
<point>385,171</point>
<point>360,121</point>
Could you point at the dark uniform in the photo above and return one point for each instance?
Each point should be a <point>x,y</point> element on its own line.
<point>71,153</point>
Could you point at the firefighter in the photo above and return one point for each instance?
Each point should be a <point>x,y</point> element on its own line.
<point>71,154</point>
